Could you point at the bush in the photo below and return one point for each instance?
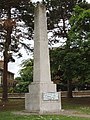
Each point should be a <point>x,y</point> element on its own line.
<point>21,87</point>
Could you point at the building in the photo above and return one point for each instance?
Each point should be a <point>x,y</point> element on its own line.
<point>10,76</point>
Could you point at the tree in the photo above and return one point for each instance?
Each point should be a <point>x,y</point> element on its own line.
<point>59,9</point>
<point>8,41</point>
<point>74,56</point>
<point>26,76</point>
<point>58,14</point>
<point>80,38</point>
<point>62,10</point>
<point>26,71</point>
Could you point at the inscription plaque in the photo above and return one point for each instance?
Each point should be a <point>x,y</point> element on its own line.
<point>50,96</point>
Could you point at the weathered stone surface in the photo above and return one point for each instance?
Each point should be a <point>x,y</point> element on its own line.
<point>42,84</point>
<point>41,52</point>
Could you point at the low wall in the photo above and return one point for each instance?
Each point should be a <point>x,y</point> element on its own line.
<point>77,93</point>
<point>63,94</point>
<point>15,95</point>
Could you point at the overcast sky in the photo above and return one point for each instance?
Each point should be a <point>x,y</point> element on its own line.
<point>36,0</point>
<point>88,1</point>
<point>15,67</point>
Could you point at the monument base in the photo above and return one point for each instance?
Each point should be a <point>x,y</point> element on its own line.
<point>42,99</point>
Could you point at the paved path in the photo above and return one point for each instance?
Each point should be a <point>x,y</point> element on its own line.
<point>62,112</point>
<point>74,113</point>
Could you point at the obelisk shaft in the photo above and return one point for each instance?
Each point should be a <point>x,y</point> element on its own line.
<point>42,97</point>
<point>41,52</point>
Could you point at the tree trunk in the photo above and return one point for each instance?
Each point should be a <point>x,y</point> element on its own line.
<point>5,88</point>
<point>69,89</point>
<point>8,28</point>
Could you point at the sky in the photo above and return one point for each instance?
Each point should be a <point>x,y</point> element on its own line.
<point>36,0</point>
<point>88,1</point>
<point>15,67</point>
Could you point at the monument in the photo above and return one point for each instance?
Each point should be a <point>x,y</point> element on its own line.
<point>42,97</point>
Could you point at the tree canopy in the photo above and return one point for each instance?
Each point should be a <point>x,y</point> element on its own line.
<point>74,61</point>
<point>58,14</point>
<point>80,37</point>
<point>11,35</point>
<point>26,71</point>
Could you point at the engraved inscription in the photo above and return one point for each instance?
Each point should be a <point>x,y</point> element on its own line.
<point>50,96</point>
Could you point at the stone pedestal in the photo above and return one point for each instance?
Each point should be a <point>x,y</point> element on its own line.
<point>42,96</point>
<point>43,99</point>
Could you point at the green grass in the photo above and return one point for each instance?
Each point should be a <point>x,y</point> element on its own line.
<point>82,105</point>
<point>11,116</point>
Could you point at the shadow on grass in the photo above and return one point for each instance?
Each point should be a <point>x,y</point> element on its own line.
<point>12,104</point>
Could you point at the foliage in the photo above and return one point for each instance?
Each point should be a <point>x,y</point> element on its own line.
<point>80,27</point>
<point>58,14</point>
<point>80,38</point>
<point>26,71</point>
<point>26,76</point>
<point>70,65</point>
<point>62,10</point>
<point>74,57</point>
<point>24,11</point>
<point>11,35</point>
<point>66,63</point>
<point>11,18</point>
<point>21,87</point>
<point>18,78</point>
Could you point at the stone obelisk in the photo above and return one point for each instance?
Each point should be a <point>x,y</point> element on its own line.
<point>42,97</point>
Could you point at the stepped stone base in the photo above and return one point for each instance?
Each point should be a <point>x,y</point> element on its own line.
<point>42,98</point>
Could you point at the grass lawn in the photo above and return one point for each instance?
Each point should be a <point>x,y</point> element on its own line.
<point>82,105</point>
<point>79,104</point>
<point>12,104</point>
<point>9,116</point>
